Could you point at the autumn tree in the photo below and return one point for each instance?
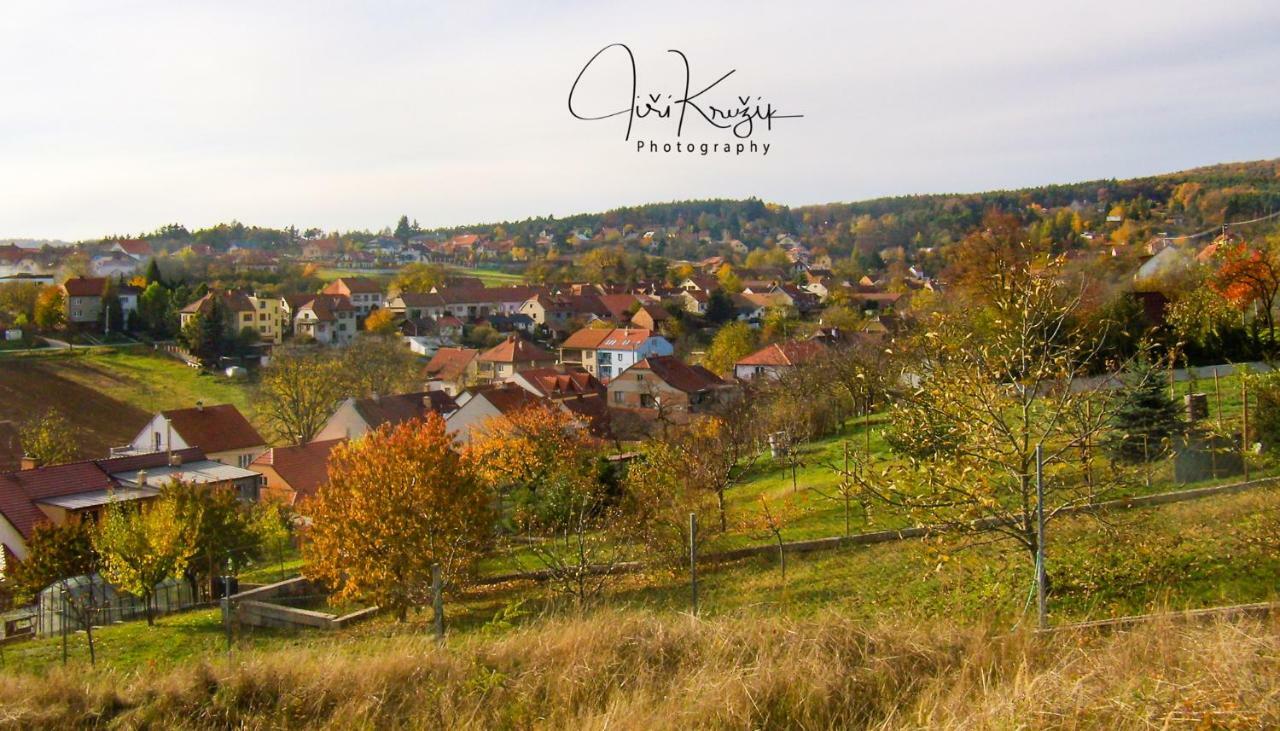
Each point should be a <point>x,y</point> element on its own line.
<point>993,258</point>
<point>381,322</point>
<point>141,546</point>
<point>732,343</point>
<point>298,392</point>
<point>719,451</point>
<point>219,527</point>
<point>50,309</point>
<point>659,500</point>
<point>378,364</point>
<point>50,438</point>
<point>1249,276</point>
<point>397,501</point>
<point>54,552</point>
<point>547,468</point>
<point>418,277</point>
<point>992,385</point>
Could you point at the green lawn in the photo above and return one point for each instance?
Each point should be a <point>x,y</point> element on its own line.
<point>1189,555</point>
<point>490,277</point>
<point>149,380</point>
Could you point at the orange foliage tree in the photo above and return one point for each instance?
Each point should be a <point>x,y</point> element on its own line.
<point>1250,275</point>
<point>548,468</point>
<point>397,501</point>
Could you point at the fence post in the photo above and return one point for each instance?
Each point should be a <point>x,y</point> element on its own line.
<point>226,610</point>
<point>693,560</point>
<point>62,592</point>
<point>437,600</point>
<point>1244,426</point>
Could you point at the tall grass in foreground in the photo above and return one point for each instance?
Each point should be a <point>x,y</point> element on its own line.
<point>641,670</point>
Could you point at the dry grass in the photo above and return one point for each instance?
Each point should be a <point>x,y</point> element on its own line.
<point>639,670</point>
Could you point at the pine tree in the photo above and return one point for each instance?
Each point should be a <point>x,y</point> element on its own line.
<point>153,272</point>
<point>1145,417</point>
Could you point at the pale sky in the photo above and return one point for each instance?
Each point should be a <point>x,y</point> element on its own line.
<point>121,117</point>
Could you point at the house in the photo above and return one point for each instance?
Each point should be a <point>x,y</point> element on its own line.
<point>366,294</point>
<point>220,431</point>
<point>511,355</point>
<point>695,301</point>
<point>666,387</point>
<point>466,303</point>
<point>113,264</point>
<point>136,249</point>
<point>320,249</point>
<point>558,383</point>
<point>82,299</point>
<point>451,370</point>
<point>556,312</point>
<point>355,417</point>
<point>650,317</point>
<point>620,306</point>
<point>58,494</point>
<point>773,360</point>
<point>293,474</point>
<point>494,402</point>
<point>605,352</point>
<point>326,318</point>
<point>241,311</point>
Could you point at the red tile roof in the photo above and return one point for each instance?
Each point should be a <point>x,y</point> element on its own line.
<point>137,247</point>
<point>217,428</point>
<point>402,407</point>
<point>84,286</point>
<point>516,349</point>
<point>449,364</point>
<point>789,353</point>
<point>678,374</point>
<point>560,383</point>
<point>303,468</point>
<point>21,490</point>
<point>625,339</point>
<point>352,285</point>
<point>588,338</point>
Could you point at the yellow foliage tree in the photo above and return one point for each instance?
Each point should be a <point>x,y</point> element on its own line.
<point>141,547</point>
<point>381,322</point>
<point>397,501</point>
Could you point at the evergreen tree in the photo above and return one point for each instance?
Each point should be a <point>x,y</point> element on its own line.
<point>153,272</point>
<point>720,307</point>
<point>404,230</point>
<point>1145,417</point>
<point>205,334</point>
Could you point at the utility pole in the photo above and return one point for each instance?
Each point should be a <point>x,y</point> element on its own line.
<point>62,592</point>
<point>226,609</point>
<point>693,559</point>
<point>1040,573</point>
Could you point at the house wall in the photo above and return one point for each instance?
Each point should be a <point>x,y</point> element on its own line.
<point>10,537</point>
<point>634,389</point>
<point>237,457</point>
<point>345,423</point>
<point>469,417</point>
<point>154,437</point>
<point>83,309</point>
<point>747,372</point>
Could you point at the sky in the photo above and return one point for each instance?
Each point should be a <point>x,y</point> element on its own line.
<point>121,117</point>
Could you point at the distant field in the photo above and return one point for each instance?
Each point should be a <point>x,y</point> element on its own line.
<point>491,277</point>
<point>109,393</point>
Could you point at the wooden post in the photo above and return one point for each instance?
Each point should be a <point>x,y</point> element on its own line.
<point>693,560</point>
<point>437,600</point>
<point>1244,426</point>
<point>1217,396</point>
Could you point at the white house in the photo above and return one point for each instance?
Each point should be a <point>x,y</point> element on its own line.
<point>220,431</point>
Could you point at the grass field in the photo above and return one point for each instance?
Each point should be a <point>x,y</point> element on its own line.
<point>110,393</point>
<point>1188,555</point>
<point>490,277</point>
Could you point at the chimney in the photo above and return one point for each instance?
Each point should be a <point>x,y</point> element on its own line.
<point>142,478</point>
<point>199,406</point>
<point>28,462</point>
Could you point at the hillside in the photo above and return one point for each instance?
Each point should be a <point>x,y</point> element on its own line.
<point>641,670</point>
<point>110,393</point>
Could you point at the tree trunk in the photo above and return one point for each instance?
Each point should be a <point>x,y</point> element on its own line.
<point>724,521</point>
<point>147,599</point>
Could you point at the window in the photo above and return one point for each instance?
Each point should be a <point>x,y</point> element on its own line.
<point>157,436</point>
<point>243,461</point>
<point>617,397</point>
<point>646,401</point>
<point>606,372</point>
<point>758,370</point>
<point>605,356</point>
